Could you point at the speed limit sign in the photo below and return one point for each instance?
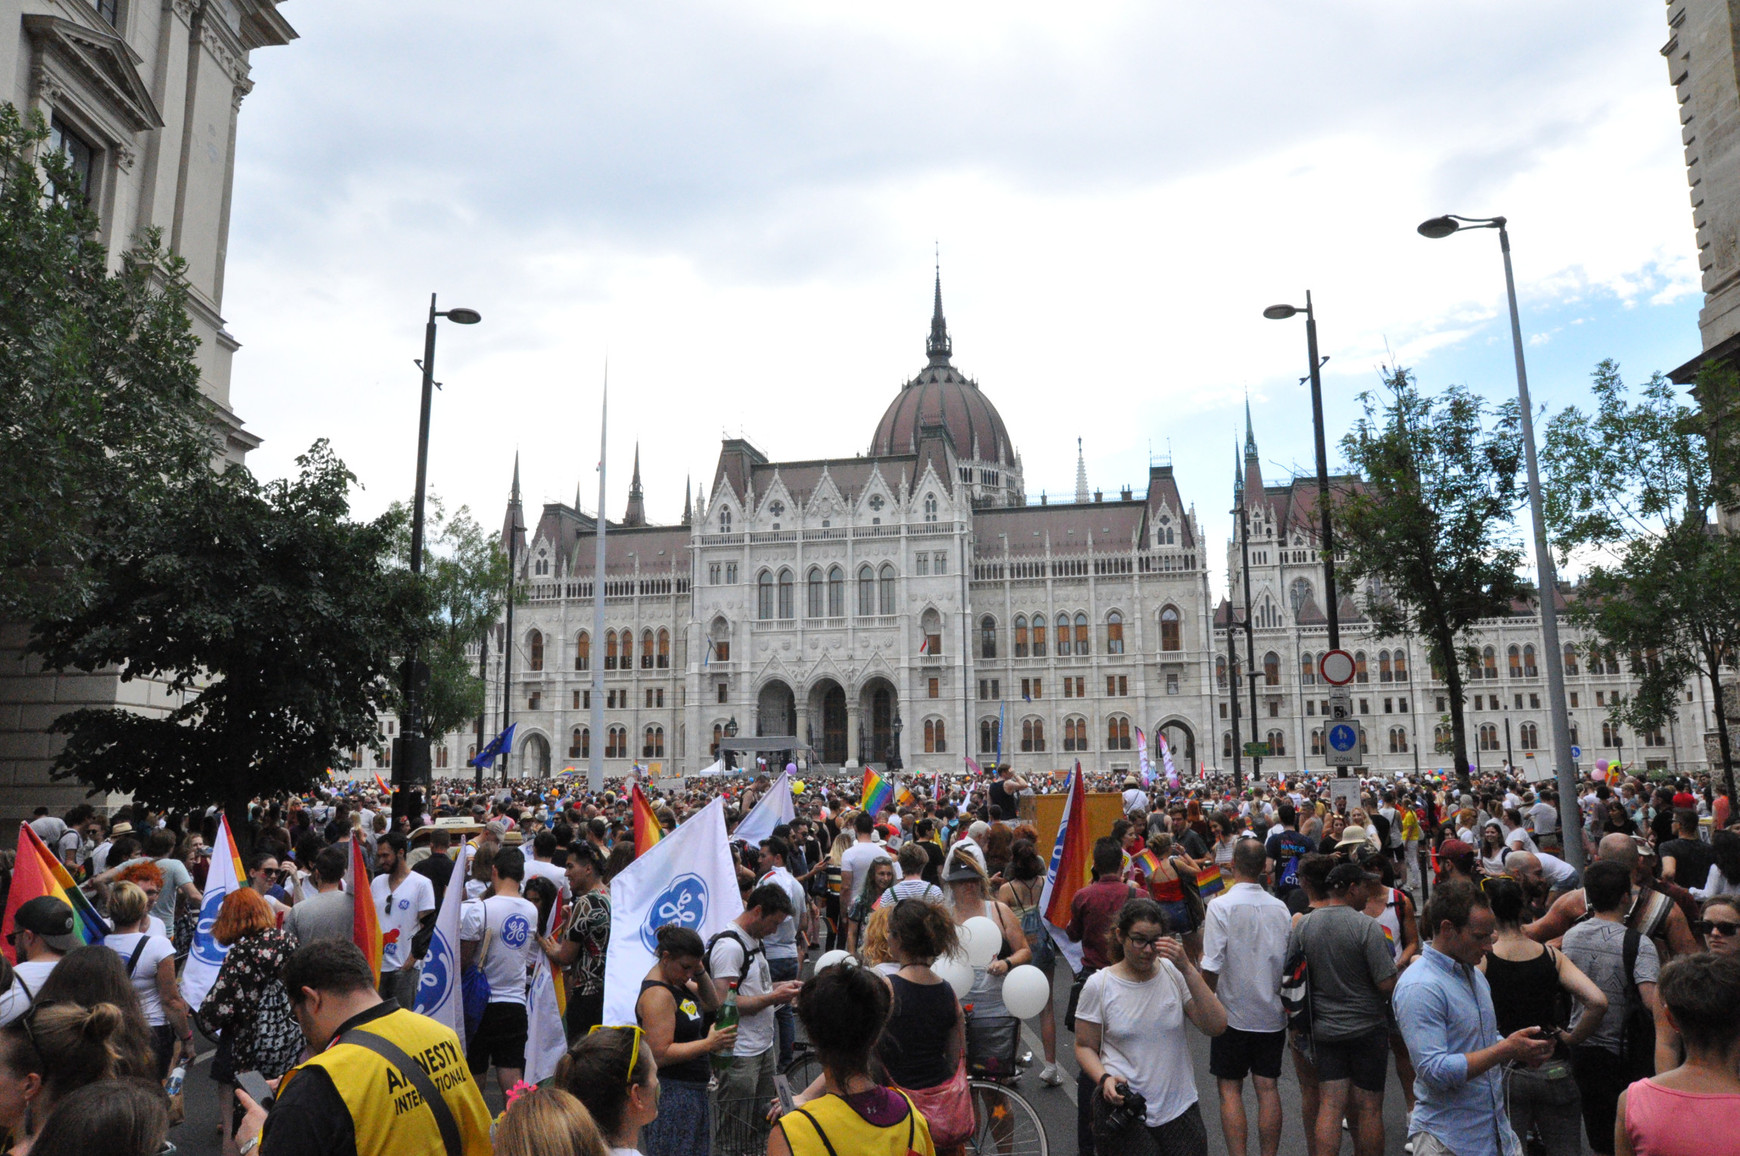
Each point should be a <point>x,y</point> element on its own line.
<point>1336,667</point>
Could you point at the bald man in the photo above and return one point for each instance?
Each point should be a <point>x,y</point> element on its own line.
<point>1546,876</point>
<point>1652,911</point>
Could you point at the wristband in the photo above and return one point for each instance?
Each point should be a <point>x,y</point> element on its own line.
<point>253,1142</point>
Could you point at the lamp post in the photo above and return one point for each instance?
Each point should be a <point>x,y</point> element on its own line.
<point>894,763</point>
<point>1281,313</point>
<point>1436,228</point>
<point>411,767</point>
<point>730,733</point>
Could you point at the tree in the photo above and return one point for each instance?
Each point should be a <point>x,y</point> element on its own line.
<point>1430,533</point>
<point>265,608</point>
<point>99,392</point>
<point>1632,484</point>
<point>465,577</point>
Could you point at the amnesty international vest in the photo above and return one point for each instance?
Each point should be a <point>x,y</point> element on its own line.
<point>831,1127</point>
<point>388,1115</point>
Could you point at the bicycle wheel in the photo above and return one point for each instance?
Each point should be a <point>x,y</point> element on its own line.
<point>803,1069</point>
<point>1004,1123</point>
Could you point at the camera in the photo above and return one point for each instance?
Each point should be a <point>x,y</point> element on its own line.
<point>1133,1110</point>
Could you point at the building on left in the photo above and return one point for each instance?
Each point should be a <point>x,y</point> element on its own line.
<point>144,97</point>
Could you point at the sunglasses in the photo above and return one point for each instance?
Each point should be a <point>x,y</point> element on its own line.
<point>634,1056</point>
<point>1716,927</point>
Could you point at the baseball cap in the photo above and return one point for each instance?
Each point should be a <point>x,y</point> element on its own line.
<point>1458,850</point>
<point>50,918</point>
<point>1345,875</point>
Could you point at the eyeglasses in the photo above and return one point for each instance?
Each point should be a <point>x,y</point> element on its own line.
<point>389,909</point>
<point>1143,942</point>
<point>634,1056</point>
<point>1716,927</point>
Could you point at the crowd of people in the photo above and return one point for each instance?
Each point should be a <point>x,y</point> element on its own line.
<point>1409,936</point>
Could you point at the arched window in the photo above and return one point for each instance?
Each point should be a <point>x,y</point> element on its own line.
<point>580,743</point>
<point>1298,593</point>
<point>987,637</point>
<point>1515,656</point>
<point>1039,636</point>
<point>440,757</point>
<point>1570,658</point>
<point>720,642</point>
<point>1114,633</point>
<point>1021,636</point>
<point>652,744</point>
<point>535,650</point>
<point>1271,669</point>
<point>785,594</point>
<point>1075,737</point>
<point>935,737</point>
<point>1442,737</point>
<point>1489,662</point>
<point>1278,743</point>
<point>1169,633</point>
<point>1383,666</point>
<point>1032,734</point>
<point>930,626</point>
<point>1117,733</point>
<point>1317,741</point>
<point>583,651</point>
<point>725,521</point>
<point>816,601</point>
<point>1226,744</point>
<point>646,650</point>
<point>1529,735</point>
<point>764,596</point>
<point>885,603</point>
<point>1530,670</point>
<point>610,650</point>
<point>930,507</point>
<point>866,591</point>
<point>836,592</point>
<point>1359,670</point>
<point>987,736</point>
<point>1220,673</point>
<point>1400,659</point>
<point>1488,737</point>
<point>616,742</point>
<point>1609,735</point>
<point>1082,644</point>
<point>1308,669</point>
<point>664,649</point>
<point>718,737</point>
<point>1398,741</point>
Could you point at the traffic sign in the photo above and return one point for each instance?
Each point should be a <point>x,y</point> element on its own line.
<point>1340,703</point>
<point>1576,752</point>
<point>1257,750</point>
<point>1343,743</point>
<point>1336,667</point>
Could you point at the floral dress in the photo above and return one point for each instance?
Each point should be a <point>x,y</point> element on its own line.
<point>248,1004</point>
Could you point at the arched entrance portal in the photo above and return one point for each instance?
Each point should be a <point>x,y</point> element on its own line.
<point>878,707</point>
<point>535,757</point>
<point>828,722</point>
<point>777,710</point>
<point>1182,740</point>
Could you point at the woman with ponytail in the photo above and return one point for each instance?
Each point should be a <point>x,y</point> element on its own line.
<point>54,1050</point>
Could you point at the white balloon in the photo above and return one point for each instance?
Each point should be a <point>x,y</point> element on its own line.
<point>1025,989</point>
<point>830,958</point>
<point>956,972</point>
<point>982,939</point>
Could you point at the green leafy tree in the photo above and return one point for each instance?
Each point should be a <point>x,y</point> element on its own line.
<point>269,614</point>
<point>1631,484</point>
<point>1430,533</point>
<point>99,392</point>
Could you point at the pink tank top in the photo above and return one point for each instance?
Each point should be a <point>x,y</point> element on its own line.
<point>1663,1122</point>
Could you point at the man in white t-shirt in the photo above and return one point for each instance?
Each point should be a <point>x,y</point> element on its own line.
<point>1516,836</point>
<point>737,956</point>
<point>406,901</point>
<point>541,864</point>
<point>501,931</point>
<point>43,931</point>
<point>48,828</point>
<point>783,958</point>
<point>856,861</point>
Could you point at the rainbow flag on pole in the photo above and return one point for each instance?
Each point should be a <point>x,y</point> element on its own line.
<point>1071,866</point>
<point>904,797</point>
<point>878,792</point>
<point>37,872</point>
<point>365,925</point>
<point>646,824</point>
<point>382,784</point>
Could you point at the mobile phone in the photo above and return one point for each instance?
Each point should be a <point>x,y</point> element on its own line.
<point>255,1085</point>
<point>782,1087</point>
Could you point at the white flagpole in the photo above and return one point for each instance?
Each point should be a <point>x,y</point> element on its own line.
<point>595,757</point>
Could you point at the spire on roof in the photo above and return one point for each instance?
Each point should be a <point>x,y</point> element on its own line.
<point>938,345</point>
<point>1238,478</point>
<point>1081,487</point>
<point>513,529</point>
<point>1250,433</point>
<point>688,500</point>
<point>635,515</point>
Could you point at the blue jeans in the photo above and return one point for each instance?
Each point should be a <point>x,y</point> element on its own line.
<point>780,970</point>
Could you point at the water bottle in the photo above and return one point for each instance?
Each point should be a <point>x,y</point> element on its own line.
<point>173,1087</point>
<point>727,1019</point>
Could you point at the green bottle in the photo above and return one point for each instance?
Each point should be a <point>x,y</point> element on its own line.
<point>727,1019</point>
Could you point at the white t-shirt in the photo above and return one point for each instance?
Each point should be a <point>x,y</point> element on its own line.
<point>508,928</point>
<point>411,900</point>
<point>100,856</point>
<point>1559,874</point>
<point>144,977</point>
<point>1250,974</point>
<point>1135,799</point>
<point>537,868</point>
<point>1518,840</point>
<point>782,944</point>
<point>25,988</point>
<point>70,844</point>
<point>1545,817</point>
<point>758,1032</point>
<point>1142,1036</point>
<point>856,863</point>
<point>49,829</point>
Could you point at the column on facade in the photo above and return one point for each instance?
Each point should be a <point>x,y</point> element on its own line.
<point>852,709</point>
<point>801,724</point>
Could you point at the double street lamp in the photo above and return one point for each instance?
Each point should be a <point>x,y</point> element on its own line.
<point>1436,229</point>
<point>411,767</point>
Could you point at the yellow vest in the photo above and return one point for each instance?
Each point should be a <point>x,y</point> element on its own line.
<point>849,1134</point>
<point>385,1110</point>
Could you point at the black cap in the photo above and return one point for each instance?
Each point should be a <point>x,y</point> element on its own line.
<point>50,918</point>
<point>1345,875</point>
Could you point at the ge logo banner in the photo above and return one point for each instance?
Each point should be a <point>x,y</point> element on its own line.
<point>516,930</point>
<point>683,903</point>
<point>432,987</point>
<point>205,947</point>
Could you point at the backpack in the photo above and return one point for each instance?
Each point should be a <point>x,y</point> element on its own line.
<point>1296,992</point>
<point>1038,939</point>
<point>1637,1031</point>
<point>474,984</point>
<point>749,953</point>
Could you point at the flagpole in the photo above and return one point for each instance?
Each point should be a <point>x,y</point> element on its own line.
<point>595,756</point>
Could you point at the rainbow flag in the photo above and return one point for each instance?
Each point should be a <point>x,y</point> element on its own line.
<point>1071,866</point>
<point>1209,882</point>
<point>365,924</point>
<point>382,784</point>
<point>878,792</point>
<point>903,797</point>
<point>1147,863</point>
<point>37,872</point>
<point>646,824</point>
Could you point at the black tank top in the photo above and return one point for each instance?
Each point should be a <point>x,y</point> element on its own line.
<point>1525,994</point>
<point>914,1044</point>
<point>691,1026</point>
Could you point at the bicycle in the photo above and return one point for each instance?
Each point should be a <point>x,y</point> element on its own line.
<point>1004,1123</point>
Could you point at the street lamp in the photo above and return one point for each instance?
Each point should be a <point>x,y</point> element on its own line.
<point>894,763</point>
<point>1281,313</point>
<point>412,765</point>
<point>1436,228</point>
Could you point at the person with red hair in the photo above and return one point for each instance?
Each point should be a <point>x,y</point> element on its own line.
<point>149,878</point>
<point>247,1002</point>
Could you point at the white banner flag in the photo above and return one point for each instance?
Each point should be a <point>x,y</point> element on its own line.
<point>770,811</point>
<point>686,879</point>
<point>223,876</point>
<point>546,1040</point>
<point>438,993</point>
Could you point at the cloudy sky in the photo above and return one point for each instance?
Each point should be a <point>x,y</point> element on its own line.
<point>737,203</point>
